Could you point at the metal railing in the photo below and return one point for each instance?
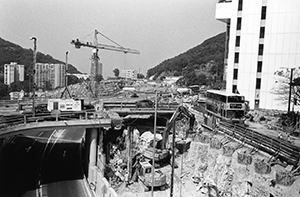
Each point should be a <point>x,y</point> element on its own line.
<point>275,147</point>
<point>21,119</point>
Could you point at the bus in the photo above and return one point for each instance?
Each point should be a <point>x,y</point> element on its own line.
<point>226,106</point>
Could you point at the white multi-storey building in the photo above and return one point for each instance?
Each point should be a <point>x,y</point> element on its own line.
<point>130,74</point>
<point>54,74</point>
<point>262,37</point>
<point>13,72</point>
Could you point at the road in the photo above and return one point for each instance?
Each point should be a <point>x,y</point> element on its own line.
<point>45,162</point>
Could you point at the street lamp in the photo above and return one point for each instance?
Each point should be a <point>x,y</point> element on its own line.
<point>33,74</point>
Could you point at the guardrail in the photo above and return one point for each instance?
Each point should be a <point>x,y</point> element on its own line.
<point>275,147</point>
<point>14,120</point>
<point>133,105</point>
<point>4,103</point>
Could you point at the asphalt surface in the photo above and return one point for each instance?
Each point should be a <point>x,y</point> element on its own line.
<point>42,162</point>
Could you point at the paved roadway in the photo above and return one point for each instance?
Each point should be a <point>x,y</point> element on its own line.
<point>42,162</point>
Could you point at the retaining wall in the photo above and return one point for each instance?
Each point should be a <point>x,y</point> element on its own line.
<point>239,171</point>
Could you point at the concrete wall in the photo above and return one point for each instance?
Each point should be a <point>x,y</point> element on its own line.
<point>96,161</point>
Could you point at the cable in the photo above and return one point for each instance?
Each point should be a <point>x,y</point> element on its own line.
<point>109,39</point>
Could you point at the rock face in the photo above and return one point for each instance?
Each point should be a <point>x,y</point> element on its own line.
<point>237,171</point>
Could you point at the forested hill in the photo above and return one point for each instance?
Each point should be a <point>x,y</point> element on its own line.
<point>10,52</point>
<point>205,59</point>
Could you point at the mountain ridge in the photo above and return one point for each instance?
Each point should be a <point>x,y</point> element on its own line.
<point>198,65</point>
<point>11,52</point>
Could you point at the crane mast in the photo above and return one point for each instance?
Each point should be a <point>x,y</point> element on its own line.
<point>95,58</point>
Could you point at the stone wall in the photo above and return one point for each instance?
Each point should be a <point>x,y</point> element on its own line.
<point>235,170</point>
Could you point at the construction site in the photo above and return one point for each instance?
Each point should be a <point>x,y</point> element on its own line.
<point>185,155</point>
<point>167,143</point>
<point>189,149</point>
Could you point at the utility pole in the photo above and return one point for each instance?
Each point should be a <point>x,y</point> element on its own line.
<point>173,159</point>
<point>154,143</point>
<point>33,74</point>
<point>290,91</point>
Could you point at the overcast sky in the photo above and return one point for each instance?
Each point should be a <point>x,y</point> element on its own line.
<point>159,29</point>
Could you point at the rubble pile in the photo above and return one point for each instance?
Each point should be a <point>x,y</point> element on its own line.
<point>85,90</point>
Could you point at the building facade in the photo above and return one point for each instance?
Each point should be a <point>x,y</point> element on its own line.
<point>13,72</point>
<point>130,74</point>
<point>49,75</point>
<point>263,36</point>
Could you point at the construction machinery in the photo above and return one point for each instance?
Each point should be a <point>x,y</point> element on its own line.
<point>145,176</point>
<point>181,110</point>
<point>162,153</point>
<point>95,58</point>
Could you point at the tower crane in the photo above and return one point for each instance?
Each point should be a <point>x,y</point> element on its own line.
<point>78,44</point>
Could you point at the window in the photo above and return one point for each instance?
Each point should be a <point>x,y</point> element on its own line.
<point>234,88</point>
<point>256,104</point>
<point>235,73</point>
<point>236,57</point>
<point>240,7</point>
<point>263,12</point>
<point>259,66</point>
<point>260,49</point>
<point>258,82</point>
<point>239,24</point>
<point>237,41</point>
<point>236,99</point>
<point>262,32</point>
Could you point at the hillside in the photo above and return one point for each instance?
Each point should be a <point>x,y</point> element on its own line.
<point>198,65</point>
<point>10,52</point>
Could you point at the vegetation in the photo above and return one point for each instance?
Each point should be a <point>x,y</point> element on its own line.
<point>116,72</point>
<point>201,65</point>
<point>10,52</point>
<point>282,79</point>
<point>98,78</point>
<point>140,76</point>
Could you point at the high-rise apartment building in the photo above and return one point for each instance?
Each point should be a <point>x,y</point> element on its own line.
<point>13,72</point>
<point>96,65</point>
<point>262,37</point>
<point>51,74</point>
<point>130,74</point>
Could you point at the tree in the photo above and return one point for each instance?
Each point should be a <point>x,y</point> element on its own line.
<point>140,76</point>
<point>3,90</point>
<point>282,85</point>
<point>116,72</point>
<point>17,86</point>
<point>47,85</point>
<point>98,78</point>
<point>1,78</point>
<point>72,79</point>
